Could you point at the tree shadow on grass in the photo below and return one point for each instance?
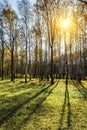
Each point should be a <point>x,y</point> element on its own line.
<point>9,112</point>
<point>65,104</point>
<point>20,86</point>
<point>83,86</point>
<point>81,89</point>
<point>38,106</point>
<point>6,82</point>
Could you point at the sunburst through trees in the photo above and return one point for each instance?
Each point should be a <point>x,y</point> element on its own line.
<point>52,35</point>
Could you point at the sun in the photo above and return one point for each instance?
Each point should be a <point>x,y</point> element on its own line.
<point>65,23</point>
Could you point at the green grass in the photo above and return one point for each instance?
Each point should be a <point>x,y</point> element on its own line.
<point>39,106</point>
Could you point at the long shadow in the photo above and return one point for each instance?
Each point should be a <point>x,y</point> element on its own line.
<point>65,104</point>
<point>10,112</point>
<point>20,86</point>
<point>2,82</point>
<point>15,87</point>
<point>13,109</point>
<point>38,105</point>
<point>81,89</point>
<point>83,86</point>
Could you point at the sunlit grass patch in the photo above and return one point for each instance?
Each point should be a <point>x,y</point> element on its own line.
<point>40,106</point>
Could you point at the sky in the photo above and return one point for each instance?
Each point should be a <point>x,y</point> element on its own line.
<point>13,3</point>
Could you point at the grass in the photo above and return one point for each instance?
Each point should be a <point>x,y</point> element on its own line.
<point>39,106</point>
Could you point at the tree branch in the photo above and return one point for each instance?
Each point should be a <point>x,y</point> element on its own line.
<point>83,1</point>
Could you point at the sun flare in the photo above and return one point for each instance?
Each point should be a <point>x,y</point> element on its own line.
<point>65,23</point>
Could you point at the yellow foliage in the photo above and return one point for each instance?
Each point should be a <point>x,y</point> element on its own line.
<point>8,13</point>
<point>85,16</point>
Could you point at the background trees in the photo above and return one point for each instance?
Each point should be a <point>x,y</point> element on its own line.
<point>24,8</point>
<point>2,46</point>
<point>10,32</point>
<point>32,43</point>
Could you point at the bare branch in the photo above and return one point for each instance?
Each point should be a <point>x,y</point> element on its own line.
<point>85,2</point>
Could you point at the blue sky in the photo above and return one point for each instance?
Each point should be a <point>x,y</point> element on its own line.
<point>13,3</point>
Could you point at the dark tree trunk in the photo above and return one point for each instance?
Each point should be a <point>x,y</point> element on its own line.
<point>2,59</point>
<point>29,61</point>
<point>12,66</point>
<point>26,67</point>
<point>66,59</point>
<point>52,79</point>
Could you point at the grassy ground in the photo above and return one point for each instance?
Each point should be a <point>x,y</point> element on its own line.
<point>35,106</point>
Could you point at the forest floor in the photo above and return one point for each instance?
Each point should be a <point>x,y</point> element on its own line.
<point>39,106</point>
